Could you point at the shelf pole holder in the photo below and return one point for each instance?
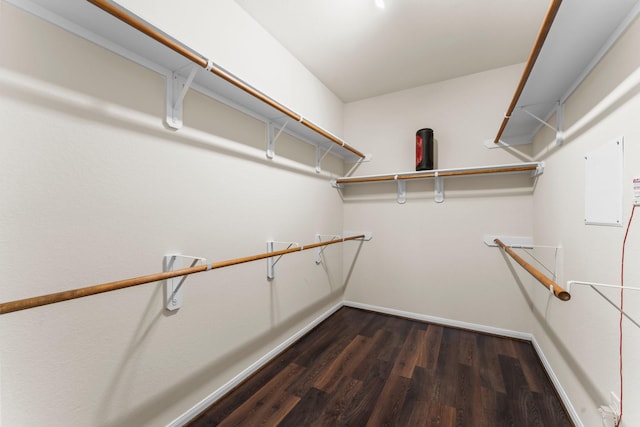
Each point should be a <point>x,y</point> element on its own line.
<point>559,123</point>
<point>558,128</point>
<point>523,109</point>
<point>176,88</point>
<point>320,250</point>
<point>320,157</point>
<point>438,188</point>
<point>402,190</point>
<point>272,137</point>
<point>337,237</point>
<point>174,295</point>
<point>272,261</point>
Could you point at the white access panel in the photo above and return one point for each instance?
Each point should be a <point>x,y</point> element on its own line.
<point>604,184</point>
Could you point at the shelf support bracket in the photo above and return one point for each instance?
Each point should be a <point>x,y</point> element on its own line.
<point>518,140</point>
<point>368,235</point>
<point>272,137</point>
<point>537,118</point>
<point>320,250</point>
<point>558,128</point>
<point>513,141</point>
<point>358,162</point>
<point>177,86</point>
<point>367,158</point>
<point>320,157</point>
<point>402,190</point>
<point>334,184</point>
<point>173,287</point>
<point>438,189</point>
<point>271,261</point>
<point>559,123</point>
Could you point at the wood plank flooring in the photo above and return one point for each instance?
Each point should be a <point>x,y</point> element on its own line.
<point>359,368</point>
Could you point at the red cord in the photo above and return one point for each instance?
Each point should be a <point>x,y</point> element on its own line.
<point>624,244</point>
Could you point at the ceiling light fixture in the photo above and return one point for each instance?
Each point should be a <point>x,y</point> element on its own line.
<point>379,4</point>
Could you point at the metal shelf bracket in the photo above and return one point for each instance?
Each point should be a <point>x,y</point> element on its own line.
<point>528,139</point>
<point>402,190</point>
<point>320,157</point>
<point>173,293</point>
<point>176,87</point>
<point>511,241</point>
<point>319,251</point>
<point>272,261</point>
<point>334,184</point>
<point>559,123</point>
<point>272,137</point>
<point>558,128</point>
<point>515,140</point>
<point>438,189</point>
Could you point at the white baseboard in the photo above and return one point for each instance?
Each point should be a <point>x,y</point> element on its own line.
<point>556,383</point>
<point>441,321</point>
<point>235,381</point>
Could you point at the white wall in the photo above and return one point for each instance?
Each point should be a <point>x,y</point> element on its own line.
<point>93,189</point>
<point>430,257</point>
<point>580,338</point>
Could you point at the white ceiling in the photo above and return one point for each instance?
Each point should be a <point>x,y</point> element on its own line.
<point>358,50</point>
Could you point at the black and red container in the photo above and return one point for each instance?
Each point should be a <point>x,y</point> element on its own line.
<point>425,150</point>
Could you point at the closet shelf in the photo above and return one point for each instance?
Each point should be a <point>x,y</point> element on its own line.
<point>532,168</point>
<point>535,168</point>
<point>572,40</point>
<point>113,27</point>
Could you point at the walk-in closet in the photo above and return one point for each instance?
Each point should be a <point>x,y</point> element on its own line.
<point>319,213</point>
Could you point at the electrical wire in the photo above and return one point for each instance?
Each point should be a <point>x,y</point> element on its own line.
<point>624,244</point>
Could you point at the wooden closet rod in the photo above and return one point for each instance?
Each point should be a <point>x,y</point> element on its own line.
<point>440,173</point>
<point>172,44</point>
<point>559,292</point>
<point>23,304</point>
<point>533,56</point>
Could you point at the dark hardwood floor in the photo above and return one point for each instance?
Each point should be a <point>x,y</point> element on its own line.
<point>359,368</point>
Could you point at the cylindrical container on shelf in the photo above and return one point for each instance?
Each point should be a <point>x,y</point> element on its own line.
<point>425,150</point>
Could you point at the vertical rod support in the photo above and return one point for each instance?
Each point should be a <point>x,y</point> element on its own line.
<point>438,189</point>
<point>174,295</point>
